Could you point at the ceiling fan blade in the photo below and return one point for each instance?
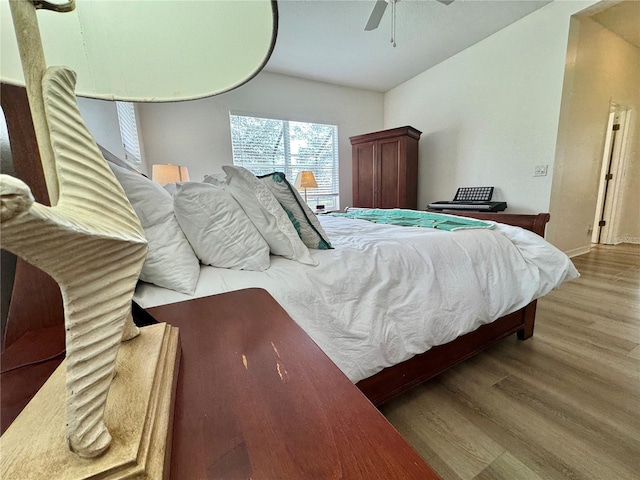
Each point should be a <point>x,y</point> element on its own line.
<point>446,2</point>
<point>376,15</point>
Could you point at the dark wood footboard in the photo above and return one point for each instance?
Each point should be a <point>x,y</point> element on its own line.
<point>533,222</point>
<point>399,378</point>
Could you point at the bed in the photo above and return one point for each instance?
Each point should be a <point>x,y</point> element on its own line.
<point>382,370</point>
<point>388,300</point>
<point>399,378</point>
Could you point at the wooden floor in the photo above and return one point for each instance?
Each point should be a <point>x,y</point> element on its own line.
<point>564,404</point>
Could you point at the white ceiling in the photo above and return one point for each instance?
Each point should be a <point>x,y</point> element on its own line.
<point>325,40</point>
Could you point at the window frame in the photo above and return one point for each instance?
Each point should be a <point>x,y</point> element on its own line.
<point>129,135</point>
<point>288,159</point>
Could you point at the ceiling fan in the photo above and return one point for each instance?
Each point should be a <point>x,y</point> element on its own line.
<point>378,12</point>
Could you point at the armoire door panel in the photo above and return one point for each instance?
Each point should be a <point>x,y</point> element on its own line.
<point>389,174</point>
<point>364,175</point>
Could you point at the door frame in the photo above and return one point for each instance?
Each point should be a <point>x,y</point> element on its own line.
<point>614,160</point>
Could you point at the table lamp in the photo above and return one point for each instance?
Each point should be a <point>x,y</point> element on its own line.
<point>305,180</point>
<point>164,174</point>
<point>138,50</point>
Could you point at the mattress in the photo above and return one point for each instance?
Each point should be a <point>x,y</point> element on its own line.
<point>385,293</point>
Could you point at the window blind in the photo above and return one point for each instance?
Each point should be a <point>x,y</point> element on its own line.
<point>129,132</point>
<point>265,145</point>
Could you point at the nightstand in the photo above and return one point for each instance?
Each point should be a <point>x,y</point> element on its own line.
<point>257,398</point>
<point>325,211</point>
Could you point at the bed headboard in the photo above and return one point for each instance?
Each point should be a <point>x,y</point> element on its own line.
<point>36,301</point>
<point>111,157</point>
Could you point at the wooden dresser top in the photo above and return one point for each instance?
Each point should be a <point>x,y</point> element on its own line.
<point>257,398</point>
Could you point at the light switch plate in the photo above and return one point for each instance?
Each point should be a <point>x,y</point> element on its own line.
<point>540,170</point>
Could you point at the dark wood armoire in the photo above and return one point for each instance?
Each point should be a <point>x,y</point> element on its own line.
<point>385,168</point>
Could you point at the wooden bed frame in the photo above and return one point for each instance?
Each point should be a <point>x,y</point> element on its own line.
<point>399,378</point>
<point>36,302</point>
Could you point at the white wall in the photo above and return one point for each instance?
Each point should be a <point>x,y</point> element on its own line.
<point>197,133</point>
<point>601,68</point>
<point>101,118</point>
<point>489,115</point>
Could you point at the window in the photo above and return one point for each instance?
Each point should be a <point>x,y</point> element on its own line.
<point>265,145</point>
<point>129,132</point>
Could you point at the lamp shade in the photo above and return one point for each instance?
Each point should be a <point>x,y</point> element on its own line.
<point>164,174</point>
<point>305,179</point>
<point>149,50</point>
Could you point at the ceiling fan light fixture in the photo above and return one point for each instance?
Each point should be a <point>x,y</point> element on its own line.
<point>378,11</point>
<point>376,15</point>
<point>393,22</point>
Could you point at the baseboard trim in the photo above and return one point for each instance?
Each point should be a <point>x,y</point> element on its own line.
<point>574,252</point>
<point>635,240</point>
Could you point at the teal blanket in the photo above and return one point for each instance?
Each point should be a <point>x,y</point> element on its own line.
<point>414,218</point>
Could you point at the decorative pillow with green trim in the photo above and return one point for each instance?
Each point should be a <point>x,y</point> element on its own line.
<point>266,214</point>
<point>304,220</point>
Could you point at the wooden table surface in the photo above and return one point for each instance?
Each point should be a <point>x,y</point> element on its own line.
<point>258,399</point>
<point>19,385</point>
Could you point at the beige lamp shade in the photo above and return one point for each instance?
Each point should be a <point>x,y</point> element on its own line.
<point>305,179</point>
<point>134,50</point>
<point>164,174</point>
<point>148,50</point>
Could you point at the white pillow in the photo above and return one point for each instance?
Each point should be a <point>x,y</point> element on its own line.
<point>267,215</point>
<point>217,228</point>
<point>171,188</point>
<point>170,261</point>
<point>217,179</point>
<point>304,220</point>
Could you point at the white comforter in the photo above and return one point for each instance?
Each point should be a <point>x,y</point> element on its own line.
<point>386,293</point>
